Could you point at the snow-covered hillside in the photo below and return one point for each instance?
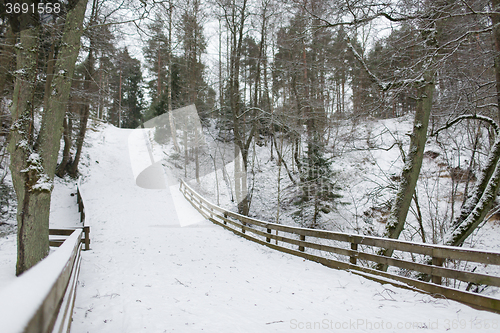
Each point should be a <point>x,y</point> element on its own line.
<point>146,273</point>
<point>366,159</point>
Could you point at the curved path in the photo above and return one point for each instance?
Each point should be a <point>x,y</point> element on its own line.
<point>145,273</point>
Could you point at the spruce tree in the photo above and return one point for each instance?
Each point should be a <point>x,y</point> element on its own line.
<point>318,190</point>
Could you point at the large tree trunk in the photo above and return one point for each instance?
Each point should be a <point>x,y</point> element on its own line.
<point>33,229</point>
<point>413,163</point>
<point>53,116</point>
<point>33,164</point>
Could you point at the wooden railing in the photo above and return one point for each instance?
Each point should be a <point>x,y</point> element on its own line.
<point>68,231</point>
<point>358,253</point>
<point>41,299</point>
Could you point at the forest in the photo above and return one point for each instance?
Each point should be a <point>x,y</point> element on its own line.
<point>369,116</point>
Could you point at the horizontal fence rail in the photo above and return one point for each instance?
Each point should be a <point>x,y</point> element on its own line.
<point>57,241</point>
<point>451,273</point>
<point>41,300</point>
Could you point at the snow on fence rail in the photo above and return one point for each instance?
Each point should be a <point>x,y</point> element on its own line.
<point>41,300</point>
<point>357,253</point>
<point>67,232</point>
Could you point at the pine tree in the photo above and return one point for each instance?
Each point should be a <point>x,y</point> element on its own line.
<point>318,190</point>
<point>131,90</point>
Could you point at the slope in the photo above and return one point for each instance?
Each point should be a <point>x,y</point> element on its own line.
<point>145,273</point>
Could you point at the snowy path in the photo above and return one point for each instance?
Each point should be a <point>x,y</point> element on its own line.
<point>145,273</point>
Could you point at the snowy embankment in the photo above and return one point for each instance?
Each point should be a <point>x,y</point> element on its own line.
<point>63,214</point>
<point>146,273</point>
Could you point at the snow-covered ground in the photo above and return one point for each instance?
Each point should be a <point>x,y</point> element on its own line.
<point>63,213</point>
<point>7,260</point>
<point>146,273</point>
<point>366,157</point>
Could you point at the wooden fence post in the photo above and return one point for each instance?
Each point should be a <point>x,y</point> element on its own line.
<point>268,239</point>
<point>86,231</point>
<point>225,216</point>
<point>353,258</point>
<point>82,215</point>
<point>302,238</point>
<point>437,262</point>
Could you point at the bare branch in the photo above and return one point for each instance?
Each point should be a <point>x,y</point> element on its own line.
<point>489,120</point>
<point>360,21</point>
<point>383,86</point>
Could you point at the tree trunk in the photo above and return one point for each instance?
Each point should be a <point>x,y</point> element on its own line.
<point>477,205</point>
<point>32,229</point>
<point>413,163</point>
<point>236,22</point>
<point>495,21</point>
<point>173,130</point>
<point>460,234</point>
<point>61,168</point>
<point>237,174</point>
<point>84,116</point>
<point>480,202</point>
<point>73,172</point>
<point>186,156</point>
<point>33,164</point>
<point>52,121</point>
<point>196,152</point>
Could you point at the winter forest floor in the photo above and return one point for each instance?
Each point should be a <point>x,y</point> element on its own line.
<point>146,273</point>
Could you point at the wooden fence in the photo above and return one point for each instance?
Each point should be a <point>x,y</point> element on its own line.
<point>67,231</point>
<point>450,271</point>
<point>41,299</point>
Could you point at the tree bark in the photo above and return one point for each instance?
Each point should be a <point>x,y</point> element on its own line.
<point>61,168</point>
<point>413,163</point>
<point>495,22</point>
<point>236,23</point>
<point>477,215</point>
<point>84,117</point>
<point>479,203</point>
<point>32,229</point>
<point>173,129</point>
<point>33,164</point>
